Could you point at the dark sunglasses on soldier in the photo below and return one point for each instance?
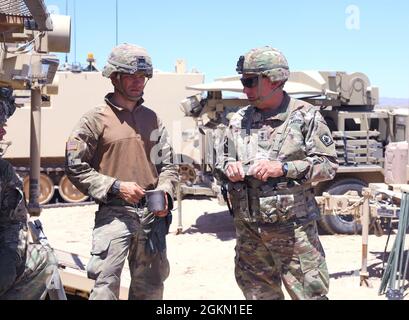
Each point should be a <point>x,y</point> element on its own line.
<point>249,82</point>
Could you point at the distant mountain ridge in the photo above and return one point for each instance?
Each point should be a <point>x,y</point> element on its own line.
<point>392,102</point>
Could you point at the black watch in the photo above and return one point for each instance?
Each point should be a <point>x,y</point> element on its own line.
<point>285,169</point>
<point>116,188</point>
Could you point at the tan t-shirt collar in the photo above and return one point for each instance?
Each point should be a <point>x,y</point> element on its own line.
<point>108,100</point>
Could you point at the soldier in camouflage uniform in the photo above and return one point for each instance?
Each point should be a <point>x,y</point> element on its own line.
<point>116,153</point>
<point>25,268</point>
<point>273,151</point>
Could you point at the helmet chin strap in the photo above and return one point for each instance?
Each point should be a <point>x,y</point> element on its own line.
<point>120,88</point>
<point>261,99</point>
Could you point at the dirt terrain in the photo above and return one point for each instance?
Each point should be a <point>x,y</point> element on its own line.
<point>202,258</point>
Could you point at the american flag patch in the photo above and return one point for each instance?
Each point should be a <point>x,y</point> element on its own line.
<point>72,146</point>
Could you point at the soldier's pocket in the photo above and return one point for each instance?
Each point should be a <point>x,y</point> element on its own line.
<point>313,264</point>
<point>276,208</point>
<point>315,273</point>
<point>239,201</point>
<point>99,252</point>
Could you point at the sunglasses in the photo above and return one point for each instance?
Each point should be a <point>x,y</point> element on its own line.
<point>249,82</point>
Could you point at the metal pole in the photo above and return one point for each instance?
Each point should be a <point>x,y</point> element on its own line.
<point>365,235</point>
<point>75,31</point>
<point>403,219</point>
<point>179,199</point>
<point>35,147</point>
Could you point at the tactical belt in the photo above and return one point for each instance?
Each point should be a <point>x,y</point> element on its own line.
<point>267,191</point>
<point>252,193</point>
<point>116,202</point>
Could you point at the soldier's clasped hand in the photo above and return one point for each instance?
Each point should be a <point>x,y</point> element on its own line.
<point>235,172</point>
<point>265,169</point>
<point>131,192</point>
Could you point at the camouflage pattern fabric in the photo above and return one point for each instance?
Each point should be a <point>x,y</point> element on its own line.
<point>297,134</point>
<point>306,143</point>
<point>7,106</point>
<point>80,150</point>
<point>271,254</point>
<point>266,61</point>
<point>130,59</point>
<point>25,269</point>
<point>118,232</point>
<point>13,207</point>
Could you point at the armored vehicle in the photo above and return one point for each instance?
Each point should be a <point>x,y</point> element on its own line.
<point>347,102</point>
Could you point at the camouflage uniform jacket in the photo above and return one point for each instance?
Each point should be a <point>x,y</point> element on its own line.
<point>112,143</point>
<point>295,133</point>
<point>12,203</point>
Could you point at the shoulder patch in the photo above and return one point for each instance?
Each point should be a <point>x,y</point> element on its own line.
<point>327,140</point>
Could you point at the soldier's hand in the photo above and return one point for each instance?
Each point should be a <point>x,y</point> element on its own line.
<point>164,213</point>
<point>131,192</point>
<point>265,169</point>
<point>235,172</point>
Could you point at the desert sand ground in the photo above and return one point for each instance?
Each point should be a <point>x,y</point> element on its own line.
<point>202,258</point>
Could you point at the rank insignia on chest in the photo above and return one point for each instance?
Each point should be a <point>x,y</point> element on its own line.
<point>263,135</point>
<point>327,140</point>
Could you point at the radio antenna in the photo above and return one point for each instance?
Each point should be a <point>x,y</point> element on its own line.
<point>116,28</point>
<point>75,32</point>
<point>66,13</point>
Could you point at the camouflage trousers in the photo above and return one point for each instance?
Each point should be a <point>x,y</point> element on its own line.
<point>268,255</point>
<point>25,269</point>
<point>117,234</point>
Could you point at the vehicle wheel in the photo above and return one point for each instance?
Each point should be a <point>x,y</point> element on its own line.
<point>69,192</point>
<point>46,189</point>
<point>343,224</point>
<point>187,174</point>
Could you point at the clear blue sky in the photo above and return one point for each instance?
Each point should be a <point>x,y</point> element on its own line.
<point>355,35</point>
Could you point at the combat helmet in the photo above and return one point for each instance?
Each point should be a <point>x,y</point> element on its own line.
<point>129,59</point>
<point>7,104</point>
<point>265,61</point>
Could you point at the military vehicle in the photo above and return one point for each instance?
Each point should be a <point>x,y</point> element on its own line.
<point>79,90</point>
<point>29,33</point>
<point>348,103</point>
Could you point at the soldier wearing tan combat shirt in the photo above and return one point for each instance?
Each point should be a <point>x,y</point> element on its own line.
<point>272,152</point>
<point>116,153</point>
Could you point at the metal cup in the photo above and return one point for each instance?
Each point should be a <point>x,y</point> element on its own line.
<point>155,200</point>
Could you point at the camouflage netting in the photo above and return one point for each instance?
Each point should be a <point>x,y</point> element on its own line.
<point>14,8</point>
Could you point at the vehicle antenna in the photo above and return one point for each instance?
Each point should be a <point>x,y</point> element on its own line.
<point>75,31</point>
<point>116,10</point>
<point>66,13</point>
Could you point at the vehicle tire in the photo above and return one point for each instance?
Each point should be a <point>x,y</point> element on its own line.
<point>69,192</point>
<point>46,189</point>
<point>187,174</point>
<point>343,224</point>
